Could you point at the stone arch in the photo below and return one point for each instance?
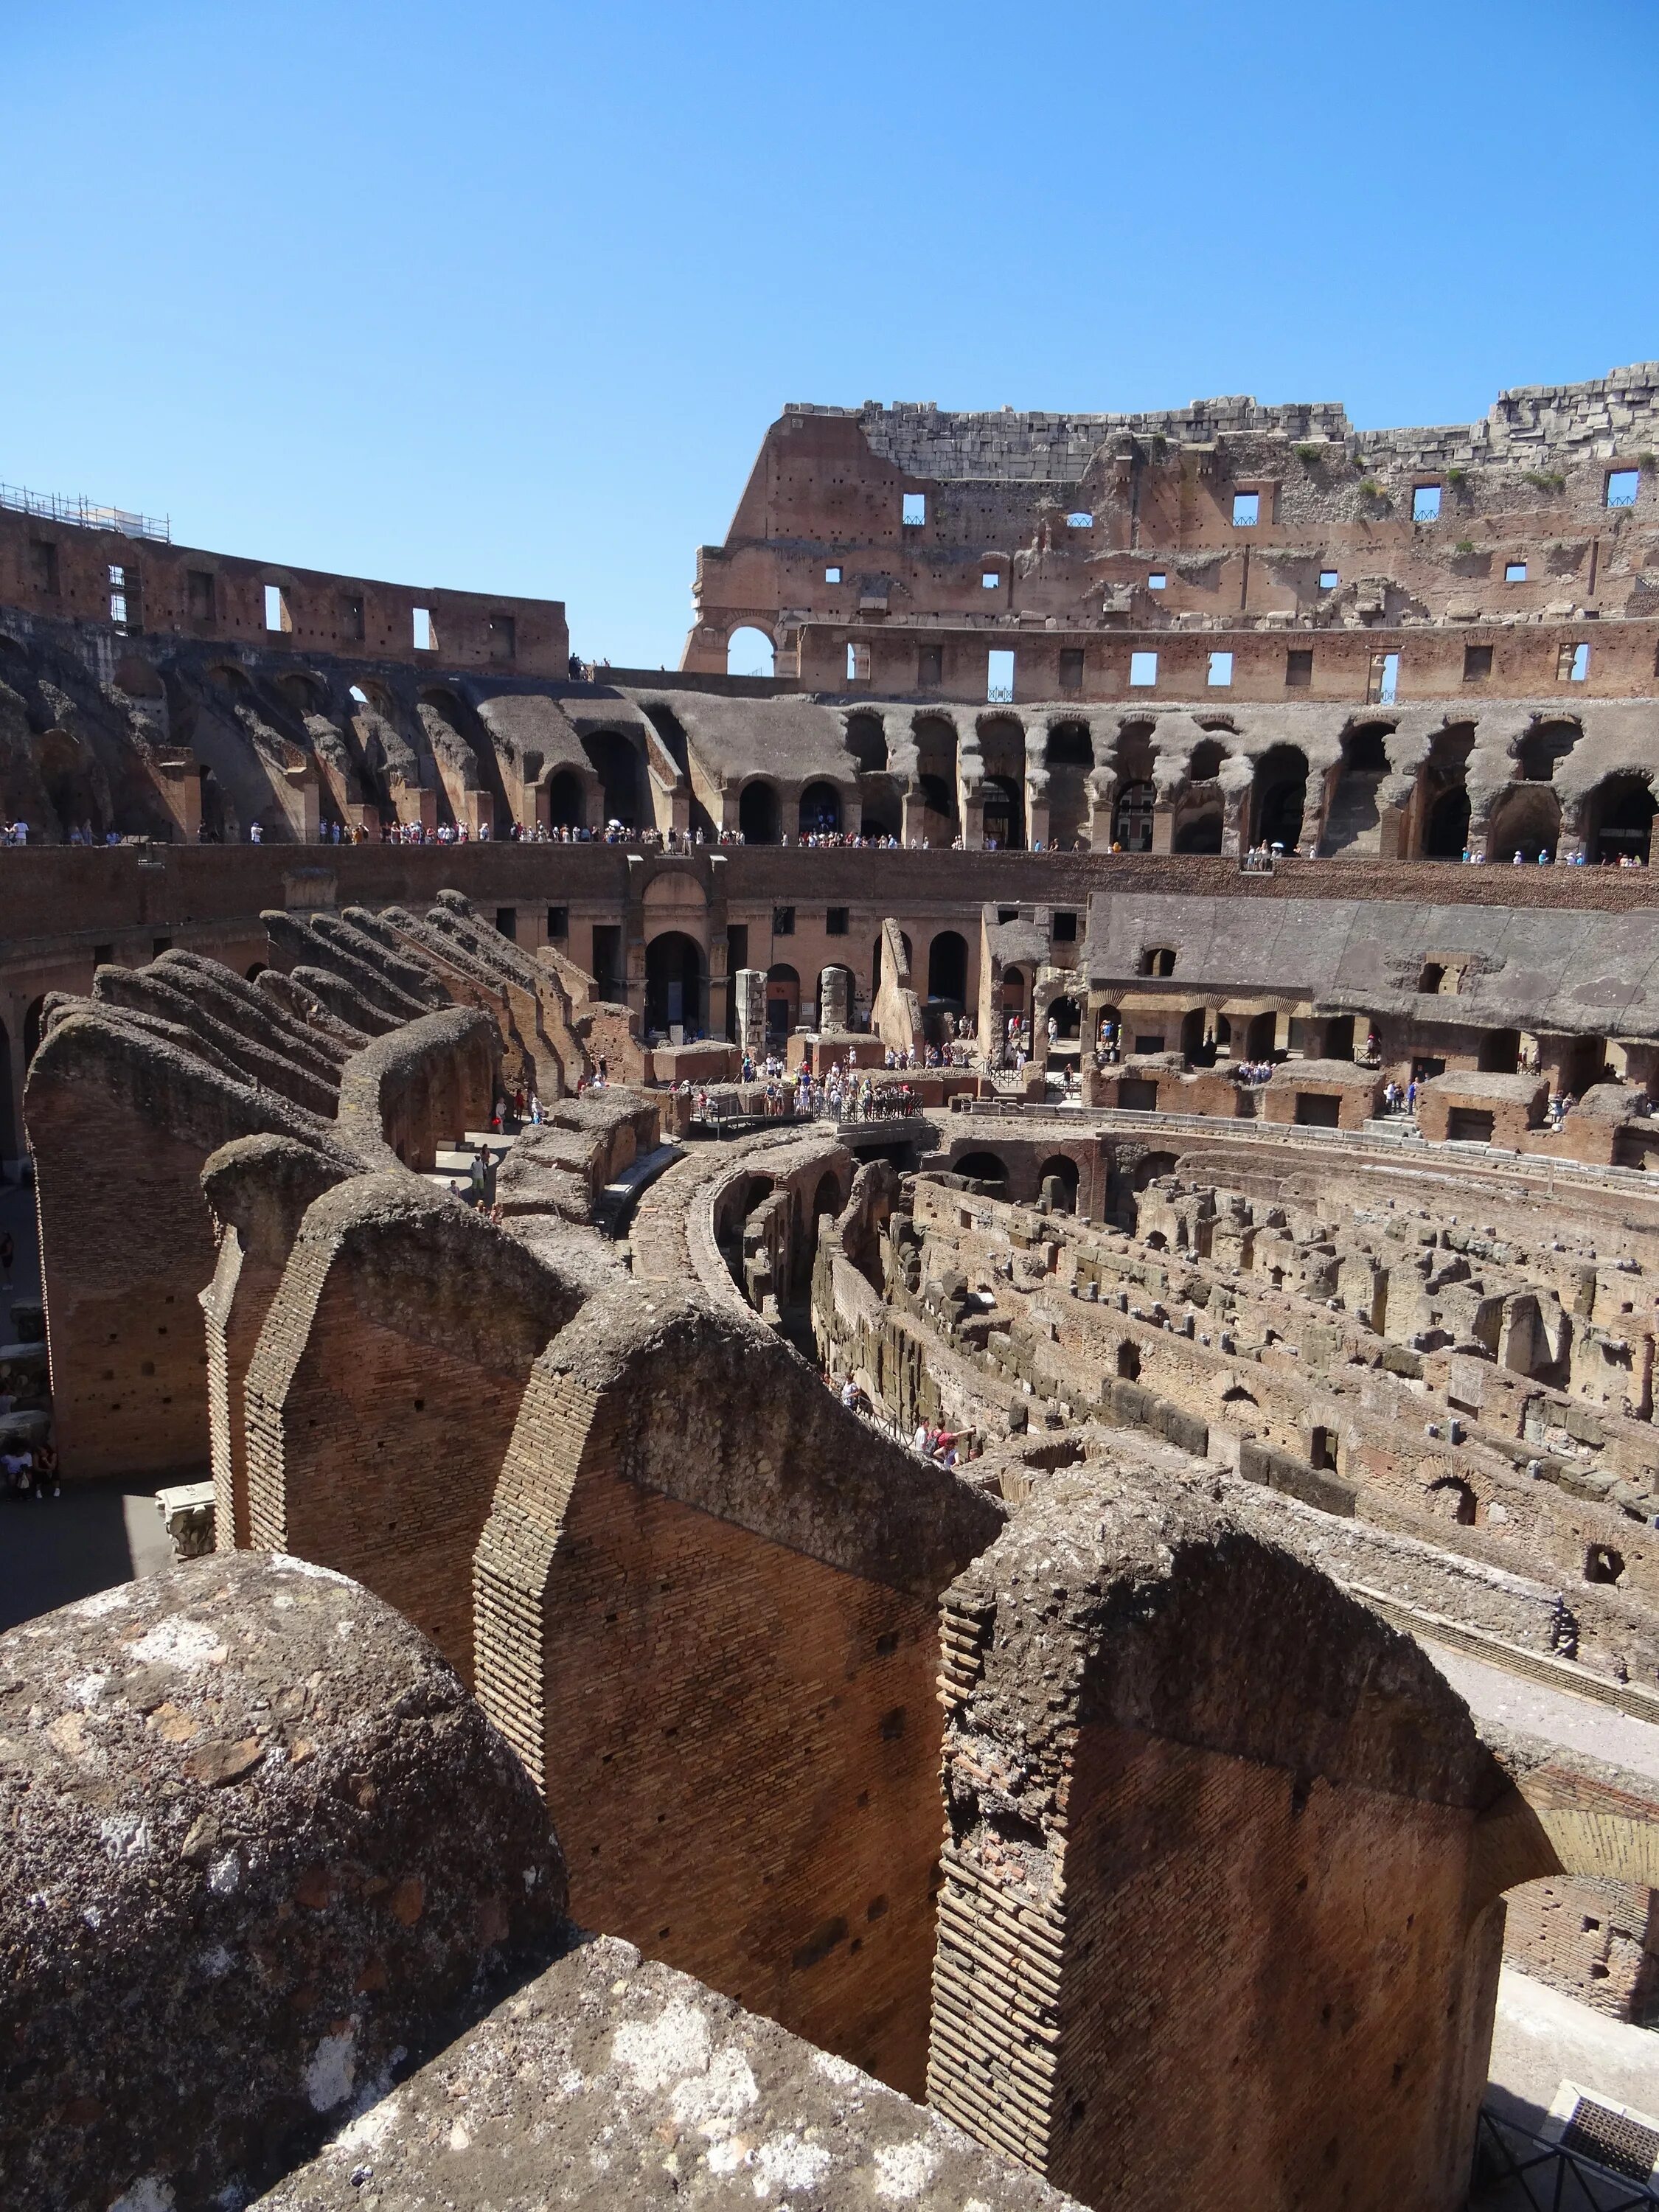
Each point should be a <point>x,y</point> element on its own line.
<point>758,814</point>
<point>567,801</point>
<point>782,998</point>
<point>1526,819</point>
<point>750,652</point>
<point>617,760</point>
<point>935,736</point>
<point>1278,796</point>
<point>1060,1169</point>
<point>1618,819</point>
<point>674,983</point>
<point>867,741</point>
<point>1541,748</point>
<point>947,967</point>
<point>820,810</point>
<point>1069,756</point>
<point>981,1166</point>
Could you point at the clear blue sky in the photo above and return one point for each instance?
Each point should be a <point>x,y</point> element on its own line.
<point>504,296</point>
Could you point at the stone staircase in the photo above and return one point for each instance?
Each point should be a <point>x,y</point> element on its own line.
<point>1354,823</point>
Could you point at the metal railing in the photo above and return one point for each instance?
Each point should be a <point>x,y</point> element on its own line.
<point>52,507</point>
<point>1515,2168</point>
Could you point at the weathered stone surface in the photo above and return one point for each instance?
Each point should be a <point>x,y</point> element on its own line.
<point>610,2080</point>
<point>256,1840</point>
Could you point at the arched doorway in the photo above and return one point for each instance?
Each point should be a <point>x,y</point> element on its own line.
<point>1004,814</point>
<point>1618,821</point>
<point>820,811</point>
<point>1062,1172</point>
<point>758,814</point>
<point>947,967</point>
<point>1526,820</point>
<point>1446,831</point>
<point>782,1000</point>
<point>750,652</point>
<point>1070,755</point>
<point>566,805</point>
<point>618,763</point>
<point>1278,796</point>
<point>980,1167</point>
<point>1013,990</point>
<point>673,982</point>
<point>936,779</point>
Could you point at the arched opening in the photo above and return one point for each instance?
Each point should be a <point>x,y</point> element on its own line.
<point>1450,1499</point>
<point>1013,990</point>
<point>673,982</point>
<point>1446,831</point>
<point>1128,1362</point>
<point>1366,752</point>
<point>827,1198</point>
<point>1057,1182</point>
<point>748,652</point>
<point>1603,1563</point>
<point>758,814</point>
<point>1004,814</point>
<point>1543,748</point>
<point>1131,816</point>
<point>947,967</point>
<point>880,808</point>
<point>255,971</point>
<point>1353,814</point>
<point>820,811</point>
<point>1199,832</point>
<point>782,1000</point>
<point>866,740</point>
<point>1500,1052</point>
<point>34,1017</point>
<point>1066,1015</point>
<point>1205,763</point>
<point>1527,820</point>
<point>936,778</point>
<point>1070,755</point>
<point>66,772</point>
<point>1322,1450</point>
<point>565,803</point>
<point>617,762</point>
<point>1278,796</point>
<point>1155,1166</point>
<point>1618,821</point>
<point>980,1167</point>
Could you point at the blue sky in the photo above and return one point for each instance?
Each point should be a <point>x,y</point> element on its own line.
<point>503,298</point>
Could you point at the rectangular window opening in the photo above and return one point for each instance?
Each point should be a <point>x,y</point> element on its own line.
<point>1623,484</point>
<point>1143,670</point>
<point>351,617</point>
<point>1247,509</point>
<point>1079,522</point>
<point>1328,580</point>
<point>1071,668</point>
<point>1298,667</point>
<point>1477,663</point>
<point>1572,664</point>
<point>1221,671</point>
<point>783,921</point>
<point>1384,680</point>
<point>43,556</point>
<point>426,636</point>
<point>832,574</point>
<point>1515,572</point>
<point>277,616</point>
<point>990,579</point>
<point>558,921</point>
<point>506,921</point>
<point>930,667</point>
<point>1007,914</point>
<point>999,678</point>
<point>198,583</point>
<point>1065,929</point>
<point>102,955</point>
<point>858,664</point>
<point>503,638</point>
<point>1158,582</point>
<point>834,921</point>
<point>915,509</point>
<point>1425,503</point>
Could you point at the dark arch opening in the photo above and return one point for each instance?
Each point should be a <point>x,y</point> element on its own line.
<point>1446,832</point>
<point>618,763</point>
<point>980,1167</point>
<point>866,740</point>
<point>1279,797</point>
<point>1366,753</point>
<point>255,971</point>
<point>1205,763</point>
<point>1543,747</point>
<point>566,804</point>
<point>1059,1169</point>
<point>1066,1015</point>
<point>820,810</point>
<point>1070,746</point>
<point>1527,820</point>
<point>1619,820</point>
<point>1004,813</point>
<point>673,982</point>
<point>782,998</point>
<point>1200,833</point>
<point>1128,1362</point>
<point>758,814</point>
<point>827,1198</point>
<point>947,967</point>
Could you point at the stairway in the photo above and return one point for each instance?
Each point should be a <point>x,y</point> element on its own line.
<point>1354,823</point>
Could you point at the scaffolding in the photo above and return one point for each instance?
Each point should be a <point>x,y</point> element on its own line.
<point>51,507</point>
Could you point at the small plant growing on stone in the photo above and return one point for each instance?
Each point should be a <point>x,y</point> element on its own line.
<point>1457,478</point>
<point>1464,545</point>
<point>1308,453</point>
<point>1545,479</point>
<point>1371,490</point>
<point>1648,461</point>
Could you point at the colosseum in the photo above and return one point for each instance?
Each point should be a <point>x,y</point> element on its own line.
<point>907,1407</point>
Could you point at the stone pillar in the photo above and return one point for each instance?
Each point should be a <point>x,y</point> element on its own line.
<point>750,984</point>
<point>835,1010</point>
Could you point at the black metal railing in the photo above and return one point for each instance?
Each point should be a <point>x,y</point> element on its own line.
<point>1515,2171</point>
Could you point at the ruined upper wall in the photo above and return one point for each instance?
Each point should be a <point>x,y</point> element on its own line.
<point>131,588</point>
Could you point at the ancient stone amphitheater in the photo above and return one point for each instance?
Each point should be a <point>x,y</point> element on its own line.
<point>1029,1623</point>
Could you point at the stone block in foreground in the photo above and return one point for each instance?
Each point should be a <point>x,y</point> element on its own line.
<point>611,2081</point>
<point>255,1840</point>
